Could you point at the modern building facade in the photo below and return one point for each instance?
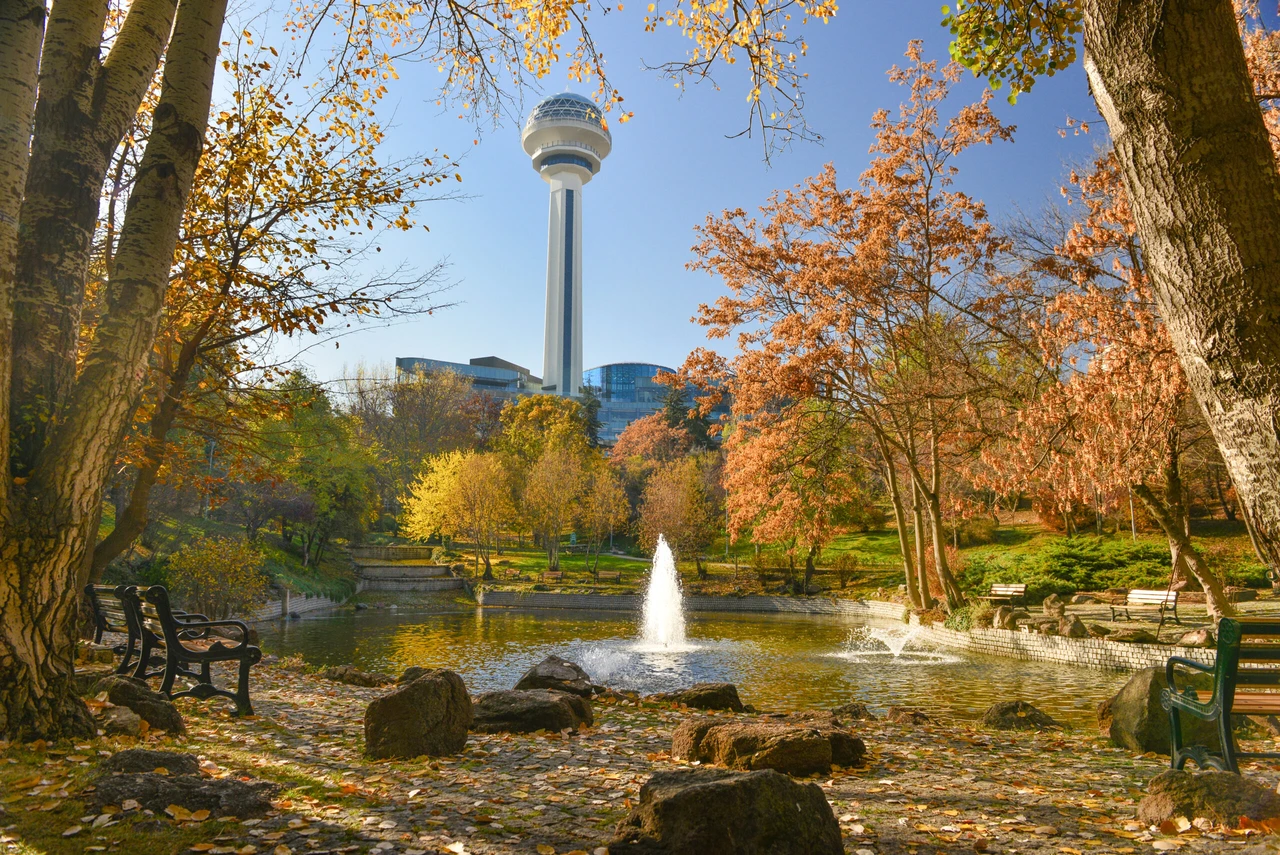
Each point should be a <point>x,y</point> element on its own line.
<point>486,374</point>
<point>566,140</point>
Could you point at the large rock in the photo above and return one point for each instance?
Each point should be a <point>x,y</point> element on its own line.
<point>1202,637</point>
<point>411,673</point>
<point>154,708</point>
<point>1072,627</point>
<point>120,721</point>
<point>143,760</point>
<point>906,715</point>
<point>1216,796</point>
<point>429,716</point>
<point>715,812</point>
<point>559,674</point>
<point>353,676</point>
<point>513,711</point>
<point>856,711</point>
<point>797,749</point>
<point>1018,715</point>
<point>1054,606</point>
<point>1134,636</point>
<point>703,696</point>
<point>1139,723</point>
<point>221,797</point>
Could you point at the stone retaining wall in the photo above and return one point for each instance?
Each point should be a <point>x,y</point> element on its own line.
<point>1086,652</point>
<point>291,604</point>
<point>422,584</point>
<point>633,602</point>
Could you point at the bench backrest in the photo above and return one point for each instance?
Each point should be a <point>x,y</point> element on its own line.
<point>1008,590</point>
<point>1142,597</point>
<point>1249,647</point>
<point>108,609</point>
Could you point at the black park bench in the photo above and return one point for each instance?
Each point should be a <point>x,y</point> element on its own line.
<point>1248,663</point>
<point>1001,593</point>
<point>109,615</point>
<point>1139,598</point>
<point>190,640</point>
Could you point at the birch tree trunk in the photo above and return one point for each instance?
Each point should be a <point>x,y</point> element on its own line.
<point>49,522</point>
<point>1169,78</point>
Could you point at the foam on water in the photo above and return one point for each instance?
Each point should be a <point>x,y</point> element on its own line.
<point>871,644</point>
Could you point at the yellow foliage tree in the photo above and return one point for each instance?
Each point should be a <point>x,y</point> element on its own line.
<point>218,576</point>
<point>461,493</point>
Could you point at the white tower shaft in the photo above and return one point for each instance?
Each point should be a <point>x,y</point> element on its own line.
<point>562,345</point>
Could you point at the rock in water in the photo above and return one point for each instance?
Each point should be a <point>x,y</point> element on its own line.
<point>513,711</point>
<point>703,696</point>
<point>157,710</point>
<point>906,715</point>
<point>353,676</point>
<point>1139,723</point>
<point>856,711</point>
<point>1216,796</point>
<point>715,812</point>
<point>1018,715</point>
<point>412,673</point>
<point>559,674</point>
<point>429,716</point>
<point>143,760</point>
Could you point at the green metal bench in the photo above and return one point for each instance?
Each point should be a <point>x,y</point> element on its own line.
<point>1248,656</point>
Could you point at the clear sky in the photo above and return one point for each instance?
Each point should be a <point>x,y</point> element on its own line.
<point>671,166</point>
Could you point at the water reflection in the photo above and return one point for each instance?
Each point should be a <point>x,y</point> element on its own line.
<point>777,661</point>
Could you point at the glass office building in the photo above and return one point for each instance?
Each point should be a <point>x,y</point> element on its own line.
<point>629,391</point>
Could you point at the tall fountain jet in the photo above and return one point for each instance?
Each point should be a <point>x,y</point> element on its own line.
<point>566,138</point>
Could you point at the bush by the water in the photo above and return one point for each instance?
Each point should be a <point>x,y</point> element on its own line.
<point>218,576</point>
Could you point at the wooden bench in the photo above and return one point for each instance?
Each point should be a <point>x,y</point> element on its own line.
<point>1162,601</point>
<point>512,573</point>
<point>1005,594</point>
<point>552,575</point>
<point>189,640</point>
<point>608,575</point>
<point>1248,656</point>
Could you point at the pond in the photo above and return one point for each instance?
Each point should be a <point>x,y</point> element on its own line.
<point>779,662</point>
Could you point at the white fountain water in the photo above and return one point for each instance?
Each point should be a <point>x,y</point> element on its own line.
<point>895,640</point>
<point>880,645</point>
<point>662,623</point>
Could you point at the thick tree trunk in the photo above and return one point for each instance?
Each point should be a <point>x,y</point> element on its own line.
<point>922,557</point>
<point>900,520</point>
<point>1215,598</point>
<point>950,588</point>
<point>1170,80</point>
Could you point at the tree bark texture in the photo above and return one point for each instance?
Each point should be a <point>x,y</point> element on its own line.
<point>1169,78</point>
<point>49,523</point>
<point>22,25</point>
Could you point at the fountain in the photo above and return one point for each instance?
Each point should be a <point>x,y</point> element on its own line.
<point>662,622</point>
<point>873,644</point>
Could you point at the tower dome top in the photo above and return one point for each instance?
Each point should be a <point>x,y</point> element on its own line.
<point>567,106</point>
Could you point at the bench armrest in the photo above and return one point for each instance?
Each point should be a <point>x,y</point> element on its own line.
<point>1170,670</point>
<point>205,625</point>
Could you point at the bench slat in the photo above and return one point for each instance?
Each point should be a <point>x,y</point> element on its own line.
<point>1249,703</point>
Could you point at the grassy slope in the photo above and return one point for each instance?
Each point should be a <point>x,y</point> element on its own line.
<point>334,577</point>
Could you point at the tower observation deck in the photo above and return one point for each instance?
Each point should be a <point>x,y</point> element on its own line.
<point>566,139</point>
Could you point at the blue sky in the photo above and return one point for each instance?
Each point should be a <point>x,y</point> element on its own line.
<point>671,166</point>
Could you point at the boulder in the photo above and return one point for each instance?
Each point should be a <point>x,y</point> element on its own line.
<point>1202,637</point>
<point>1071,626</point>
<point>353,676</point>
<point>154,708</point>
<point>1134,636</point>
<point>515,711</point>
<point>219,796</point>
<point>120,721</point>
<point>796,749</point>
<point>716,812</point>
<point>906,715</point>
<point>855,711</point>
<point>428,716</point>
<point>1216,796</point>
<point>703,696</point>
<point>1241,595</point>
<point>1097,630</point>
<point>1139,723</point>
<point>411,673</point>
<point>1002,618</point>
<point>1018,715</point>
<point>143,760</point>
<point>1054,606</point>
<point>558,674</point>
<point>846,749</point>
<point>1084,600</point>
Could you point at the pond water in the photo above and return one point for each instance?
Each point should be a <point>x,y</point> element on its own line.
<point>779,662</point>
